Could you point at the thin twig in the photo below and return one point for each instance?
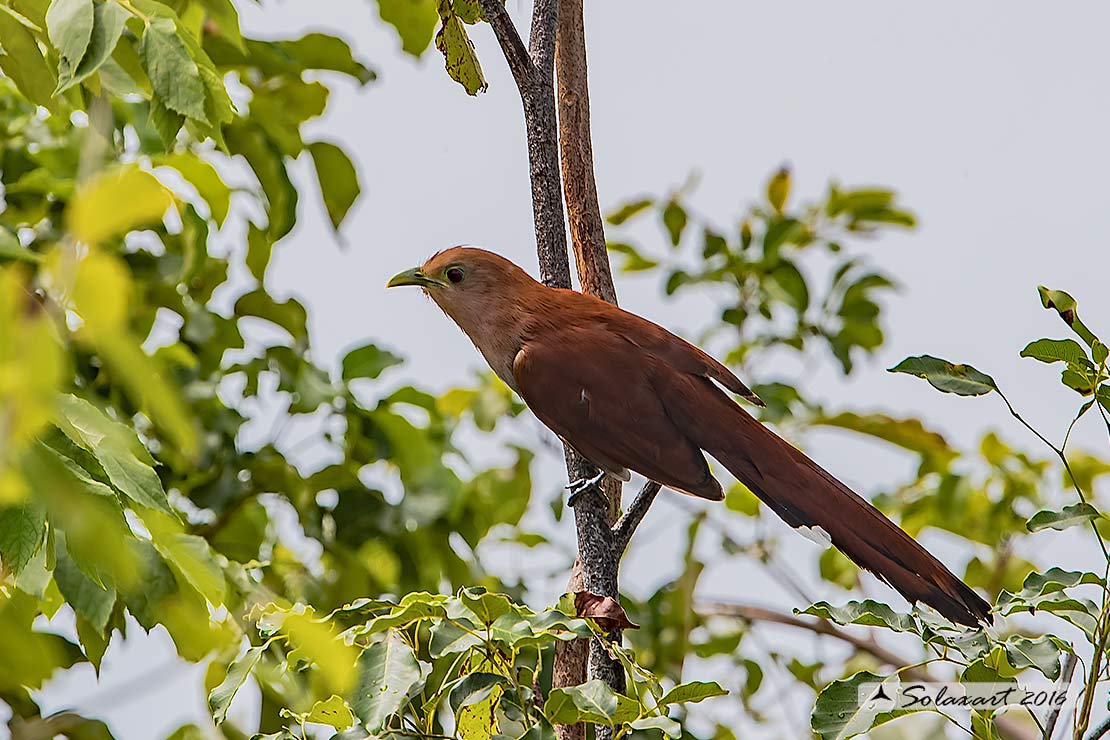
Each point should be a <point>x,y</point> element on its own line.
<point>516,53</point>
<point>627,524</point>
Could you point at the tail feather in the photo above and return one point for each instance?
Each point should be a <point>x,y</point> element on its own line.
<point>804,494</point>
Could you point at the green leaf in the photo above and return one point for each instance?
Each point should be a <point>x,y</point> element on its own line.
<point>289,315</point>
<point>450,637</point>
<point>1080,380</point>
<point>778,189</point>
<point>69,24</point>
<point>666,725</point>
<point>1056,579</point>
<point>782,231</point>
<point>388,674</point>
<point>713,244</point>
<point>173,72</point>
<point>269,167</point>
<point>909,434</point>
<point>93,642</point>
<point>1042,653</point>
<point>739,498</point>
<point>459,55</point>
<point>219,699</point>
<point>487,607</point>
<point>628,210</point>
<point>116,202</point>
<point>36,8</point>
<point>634,261</point>
<point>470,11</point>
<point>475,688</point>
<point>166,122</point>
<point>10,248</point>
<point>692,692</point>
<point>118,450</point>
<point>225,18</point>
<point>674,221</point>
<point>1068,310</point>
<point>93,602</point>
<point>24,64</point>
<point>835,567</point>
<point>963,380</point>
<point>190,555</point>
<point>840,713</point>
<point>21,530</point>
<point>368,361</point>
<point>204,177</point>
<point>593,702</point>
<point>109,19</point>
<point>259,249</point>
<point>867,612</point>
<point>321,51</point>
<point>1055,350</point>
<point>791,285</point>
<point>338,179</point>
<point>1070,516</point>
<point>415,21</point>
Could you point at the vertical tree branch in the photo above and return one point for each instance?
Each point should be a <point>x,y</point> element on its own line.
<point>537,94</point>
<point>587,231</point>
<point>557,30</point>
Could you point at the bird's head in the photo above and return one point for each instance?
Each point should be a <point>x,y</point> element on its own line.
<point>471,285</point>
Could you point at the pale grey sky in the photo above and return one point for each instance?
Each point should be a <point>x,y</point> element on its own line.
<point>989,118</point>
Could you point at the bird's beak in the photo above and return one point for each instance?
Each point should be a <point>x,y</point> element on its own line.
<point>413,277</point>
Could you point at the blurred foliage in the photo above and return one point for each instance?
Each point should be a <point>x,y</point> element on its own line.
<point>993,498</point>
<point>134,351</point>
<point>140,360</point>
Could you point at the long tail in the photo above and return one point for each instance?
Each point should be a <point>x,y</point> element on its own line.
<point>805,495</point>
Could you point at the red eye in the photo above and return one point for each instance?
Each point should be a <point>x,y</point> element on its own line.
<point>455,274</point>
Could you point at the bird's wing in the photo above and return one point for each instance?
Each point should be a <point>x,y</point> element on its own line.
<point>594,389</point>
<point>675,351</point>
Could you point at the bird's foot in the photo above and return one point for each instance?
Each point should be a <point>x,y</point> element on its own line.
<point>580,486</point>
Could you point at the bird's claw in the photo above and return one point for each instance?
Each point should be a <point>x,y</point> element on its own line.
<point>580,486</point>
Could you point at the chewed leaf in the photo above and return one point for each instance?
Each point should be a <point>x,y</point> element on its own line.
<point>459,55</point>
<point>1068,309</point>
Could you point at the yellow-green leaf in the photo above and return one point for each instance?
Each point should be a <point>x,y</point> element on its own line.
<point>415,21</point>
<point>459,55</point>
<point>331,711</point>
<point>116,202</point>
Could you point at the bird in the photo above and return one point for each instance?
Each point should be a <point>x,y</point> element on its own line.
<point>628,395</point>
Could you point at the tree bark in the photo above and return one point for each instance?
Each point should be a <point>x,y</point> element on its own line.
<point>558,23</point>
<point>587,230</point>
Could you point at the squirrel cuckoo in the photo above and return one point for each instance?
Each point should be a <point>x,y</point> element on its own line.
<point>629,395</point>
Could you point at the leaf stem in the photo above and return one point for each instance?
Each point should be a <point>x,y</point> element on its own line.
<point>1067,466</point>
